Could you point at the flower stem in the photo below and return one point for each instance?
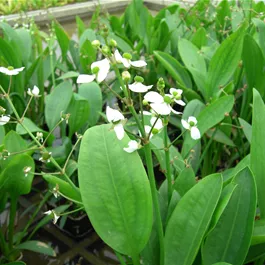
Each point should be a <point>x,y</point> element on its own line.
<point>149,163</point>
<point>168,165</point>
<point>25,111</point>
<point>135,259</point>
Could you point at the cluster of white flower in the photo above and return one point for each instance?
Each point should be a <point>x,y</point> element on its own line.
<point>160,104</point>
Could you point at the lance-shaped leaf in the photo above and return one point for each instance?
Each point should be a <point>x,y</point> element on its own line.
<point>190,220</point>
<point>234,228</point>
<point>257,150</point>
<point>115,190</point>
<point>195,63</point>
<point>224,62</point>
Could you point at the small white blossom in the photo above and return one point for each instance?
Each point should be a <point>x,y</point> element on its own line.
<point>53,213</point>
<point>55,191</point>
<point>34,92</point>
<point>138,87</point>
<point>100,70</point>
<point>115,117</point>
<point>191,126</point>
<point>132,146</point>
<point>46,157</point>
<point>11,70</point>
<point>161,105</point>
<point>126,60</point>
<point>4,119</point>
<point>176,93</point>
<point>39,136</point>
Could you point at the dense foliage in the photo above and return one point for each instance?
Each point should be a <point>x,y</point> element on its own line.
<point>154,126</point>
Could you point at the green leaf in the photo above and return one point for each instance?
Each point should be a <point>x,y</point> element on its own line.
<point>235,226</point>
<point>2,134</point>
<point>185,231</point>
<point>57,102</point>
<point>199,38</point>
<point>225,61</point>
<point>261,32</point>
<point>208,118</point>
<point>247,129</point>
<point>25,44</point>
<point>258,236</point>
<point>255,252</point>
<point>88,34</point>
<point>37,246</point>
<point>29,124</point>
<point>175,69</point>
<point>194,62</point>
<point>62,38</point>
<point>13,178</point>
<point>13,142</point>
<point>79,113</point>
<point>67,75</point>
<point>185,181</point>
<point>87,55</point>
<point>118,203</point>
<point>257,150</point>
<point>254,63</point>
<point>92,93</point>
<point>80,25</point>
<point>64,187</point>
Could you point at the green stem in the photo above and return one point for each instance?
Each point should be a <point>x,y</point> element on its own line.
<point>12,216</point>
<point>3,244</point>
<point>135,260</point>
<point>149,163</point>
<point>52,66</point>
<point>74,211</point>
<point>172,143</point>
<point>168,166</point>
<point>120,258</point>
<point>25,111</point>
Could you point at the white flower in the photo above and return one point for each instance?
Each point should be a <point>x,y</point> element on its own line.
<point>100,70</point>
<point>46,157</point>
<point>176,93</point>
<point>126,60</point>
<point>132,146</point>
<point>115,117</point>
<point>156,127</point>
<point>11,70</point>
<point>55,191</point>
<point>161,105</point>
<point>138,87</point>
<point>39,136</point>
<point>27,170</point>
<point>191,126</point>
<point>55,216</point>
<point>4,119</point>
<point>34,92</point>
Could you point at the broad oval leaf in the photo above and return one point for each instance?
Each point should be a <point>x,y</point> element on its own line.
<point>57,102</point>
<point>234,228</point>
<point>115,190</point>
<point>92,93</point>
<point>190,220</point>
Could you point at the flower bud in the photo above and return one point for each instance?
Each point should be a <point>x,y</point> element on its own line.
<point>138,79</point>
<point>2,111</point>
<point>145,102</point>
<point>127,56</point>
<point>106,50</point>
<point>95,44</point>
<point>45,157</point>
<point>126,76</point>
<point>113,43</point>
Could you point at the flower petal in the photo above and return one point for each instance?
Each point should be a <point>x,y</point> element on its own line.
<point>195,133</point>
<point>132,146</point>
<point>113,115</point>
<point>139,63</point>
<point>161,108</point>
<point>119,130</point>
<point>139,87</point>
<point>192,119</point>
<point>153,97</point>
<point>104,67</point>
<point>180,102</point>
<point>185,124</point>
<point>174,111</point>
<point>118,56</point>
<point>147,113</point>
<point>126,62</point>
<point>178,91</point>
<point>4,119</point>
<point>85,79</point>
<point>35,91</point>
